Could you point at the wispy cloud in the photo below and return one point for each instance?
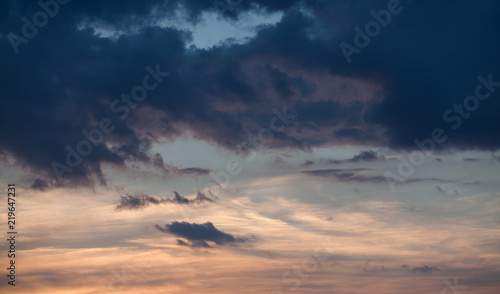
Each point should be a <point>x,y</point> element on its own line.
<point>471,159</point>
<point>357,175</point>
<point>346,175</point>
<point>136,201</point>
<point>307,163</point>
<point>424,269</point>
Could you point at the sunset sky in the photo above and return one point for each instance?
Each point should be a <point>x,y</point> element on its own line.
<point>251,146</point>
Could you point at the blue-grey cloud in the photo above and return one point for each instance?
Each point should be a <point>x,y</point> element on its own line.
<point>425,269</point>
<point>359,175</point>
<point>368,155</point>
<point>199,234</point>
<point>196,171</point>
<point>136,201</point>
<point>471,159</point>
<point>307,163</point>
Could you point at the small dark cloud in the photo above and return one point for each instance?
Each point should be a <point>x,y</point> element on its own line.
<point>443,192</point>
<point>369,155</point>
<point>470,183</point>
<point>179,199</point>
<point>425,269</point>
<point>195,171</point>
<point>495,157</point>
<point>440,190</point>
<point>278,160</point>
<point>39,184</point>
<point>182,243</point>
<point>356,175</point>
<point>425,180</point>
<point>307,163</point>
<point>346,175</point>
<point>438,159</point>
<point>364,156</point>
<point>136,201</point>
<point>199,234</point>
<point>330,171</point>
<point>369,267</point>
<point>200,197</point>
<point>471,159</point>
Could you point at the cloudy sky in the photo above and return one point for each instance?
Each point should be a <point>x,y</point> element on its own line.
<point>251,146</point>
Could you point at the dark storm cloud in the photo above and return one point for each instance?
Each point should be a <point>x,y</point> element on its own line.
<point>66,92</point>
<point>199,234</point>
<point>130,201</point>
<point>65,79</point>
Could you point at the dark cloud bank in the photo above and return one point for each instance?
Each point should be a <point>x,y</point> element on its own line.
<point>65,79</point>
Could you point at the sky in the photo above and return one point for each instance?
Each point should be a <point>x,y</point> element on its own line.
<point>250,146</point>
